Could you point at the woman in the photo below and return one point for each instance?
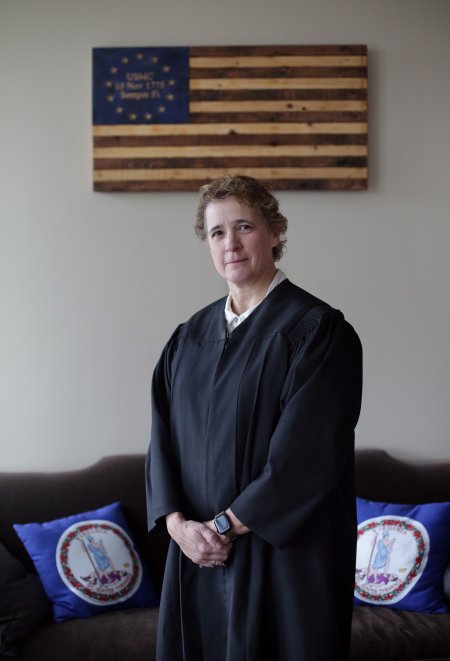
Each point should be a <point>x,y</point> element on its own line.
<point>255,401</point>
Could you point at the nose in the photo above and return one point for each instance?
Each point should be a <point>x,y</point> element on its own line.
<point>232,242</point>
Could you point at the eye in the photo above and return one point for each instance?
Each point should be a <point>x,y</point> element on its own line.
<point>244,227</point>
<point>215,234</point>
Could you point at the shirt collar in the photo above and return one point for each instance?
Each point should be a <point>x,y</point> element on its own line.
<point>233,320</point>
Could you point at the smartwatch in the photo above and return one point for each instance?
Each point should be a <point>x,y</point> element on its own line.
<point>223,525</point>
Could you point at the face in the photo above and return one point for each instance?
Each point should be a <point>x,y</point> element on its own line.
<point>240,242</point>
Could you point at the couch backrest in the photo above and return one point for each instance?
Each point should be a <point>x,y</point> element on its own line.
<point>382,477</point>
<point>37,497</point>
<point>28,497</point>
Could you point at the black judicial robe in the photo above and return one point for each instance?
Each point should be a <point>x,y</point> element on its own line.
<point>262,422</point>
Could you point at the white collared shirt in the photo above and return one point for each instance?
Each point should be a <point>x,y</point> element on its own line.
<point>233,320</point>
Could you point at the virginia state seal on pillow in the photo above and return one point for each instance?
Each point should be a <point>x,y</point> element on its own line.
<point>97,561</point>
<point>391,555</point>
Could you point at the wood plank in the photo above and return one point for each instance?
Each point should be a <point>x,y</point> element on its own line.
<point>277,83</point>
<point>307,116</point>
<point>276,106</point>
<point>252,61</point>
<point>329,94</point>
<point>241,128</point>
<point>230,151</point>
<point>200,173</point>
<point>281,72</point>
<point>230,139</point>
<point>280,49</point>
<point>194,185</point>
<point>242,162</point>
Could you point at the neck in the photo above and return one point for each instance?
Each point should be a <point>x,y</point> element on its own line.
<point>244,297</point>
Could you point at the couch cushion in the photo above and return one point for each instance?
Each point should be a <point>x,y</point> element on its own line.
<point>88,563</point>
<point>403,551</point>
<point>385,634</point>
<point>124,635</point>
<point>23,604</point>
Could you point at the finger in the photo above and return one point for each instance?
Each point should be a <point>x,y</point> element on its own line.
<point>212,565</point>
<point>213,538</point>
<point>218,557</point>
<point>215,564</point>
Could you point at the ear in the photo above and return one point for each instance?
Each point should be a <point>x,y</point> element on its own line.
<point>275,240</point>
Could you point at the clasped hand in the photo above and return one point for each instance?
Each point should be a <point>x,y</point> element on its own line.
<point>200,542</point>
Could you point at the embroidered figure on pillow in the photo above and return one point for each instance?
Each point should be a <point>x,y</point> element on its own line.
<point>380,564</point>
<point>104,571</point>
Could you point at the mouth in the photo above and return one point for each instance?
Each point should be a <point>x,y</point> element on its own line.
<point>236,261</point>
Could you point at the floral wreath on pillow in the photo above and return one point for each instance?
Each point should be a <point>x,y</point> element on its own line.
<point>402,554</point>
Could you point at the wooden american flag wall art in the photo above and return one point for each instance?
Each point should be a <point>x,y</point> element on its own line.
<point>174,118</point>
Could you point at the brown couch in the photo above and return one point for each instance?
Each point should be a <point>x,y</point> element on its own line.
<point>379,634</point>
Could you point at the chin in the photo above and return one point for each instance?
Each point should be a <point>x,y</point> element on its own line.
<point>238,267</point>
<point>236,276</point>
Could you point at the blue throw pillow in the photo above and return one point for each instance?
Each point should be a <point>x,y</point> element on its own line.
<point>88,563</point>
<point>402,554</point>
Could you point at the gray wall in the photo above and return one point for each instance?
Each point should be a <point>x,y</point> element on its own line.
<point>91,285</point>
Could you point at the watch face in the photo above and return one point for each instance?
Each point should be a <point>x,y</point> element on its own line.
<point>222,523</point>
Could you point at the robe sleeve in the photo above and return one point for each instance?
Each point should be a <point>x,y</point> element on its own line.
<point>162,480</point>
<point>313,442</point>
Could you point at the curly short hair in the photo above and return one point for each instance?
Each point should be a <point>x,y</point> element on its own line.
<point>251,192</point>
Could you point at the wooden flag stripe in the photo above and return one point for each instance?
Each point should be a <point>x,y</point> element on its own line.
<point>242,161</point>
<point>297,184</point>
<point>211,173</point>
<point>250,61</point>
<point>227,151</point>
<point>229,128</point>
<point>286,73</point>
<point>278,50</point>
<point>230,139</point>
<point>310,94</point>
<point>275,106</point>
<point>281,116</point>
<point>289,114</point>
